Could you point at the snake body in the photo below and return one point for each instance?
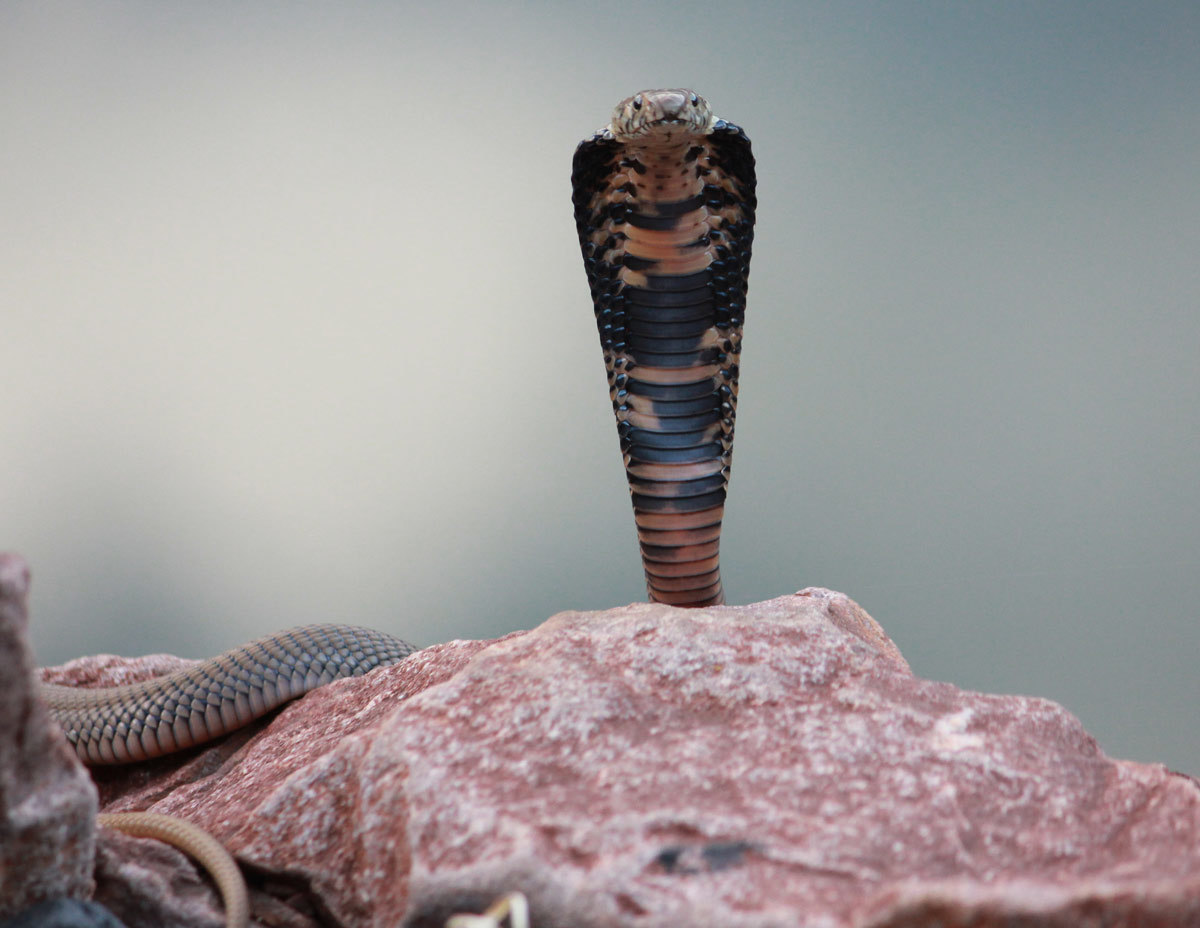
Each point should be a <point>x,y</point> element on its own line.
<point>117,725</point>
<point>664,201</point>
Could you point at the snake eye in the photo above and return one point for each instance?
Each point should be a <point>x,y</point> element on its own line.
<point>637,102</point>
<point>695,100</point>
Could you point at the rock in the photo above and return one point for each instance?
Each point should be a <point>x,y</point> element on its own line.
<point>64,913</point>
<point>729,766</point>
<point>47,801</point>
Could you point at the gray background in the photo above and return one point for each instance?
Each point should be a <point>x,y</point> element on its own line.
<point>294,327</point>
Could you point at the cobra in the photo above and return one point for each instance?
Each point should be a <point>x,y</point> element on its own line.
<point>664,206</point>
<point>664,200</point>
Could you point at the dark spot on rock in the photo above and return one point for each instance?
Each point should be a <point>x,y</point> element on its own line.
<point>704,858</point>
<point>668,858</point>
<point>723,855</point>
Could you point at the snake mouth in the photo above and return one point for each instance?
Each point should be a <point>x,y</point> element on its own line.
<point>664,130</point>
<point>663,126</point>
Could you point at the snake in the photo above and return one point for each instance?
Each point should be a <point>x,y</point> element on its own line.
<point>192,706</point>
<point>664,199</point>
<point>664,205</point>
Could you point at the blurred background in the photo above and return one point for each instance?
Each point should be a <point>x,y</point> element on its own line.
<point>294,328</point>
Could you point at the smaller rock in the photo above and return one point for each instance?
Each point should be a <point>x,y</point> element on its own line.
<point>47,800</point>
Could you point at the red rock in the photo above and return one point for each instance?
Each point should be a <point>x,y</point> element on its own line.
<point>47,801</point>
<point>765,765</point>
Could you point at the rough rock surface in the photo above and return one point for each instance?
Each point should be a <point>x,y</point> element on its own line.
<point>773,764</point>
<point>47,801</point>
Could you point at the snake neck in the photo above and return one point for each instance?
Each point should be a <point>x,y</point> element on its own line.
<point>678,503</point>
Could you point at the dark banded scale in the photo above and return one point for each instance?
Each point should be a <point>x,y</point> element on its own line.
<point>664,206</point>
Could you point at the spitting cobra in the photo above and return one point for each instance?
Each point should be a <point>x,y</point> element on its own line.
<point>664,207</point>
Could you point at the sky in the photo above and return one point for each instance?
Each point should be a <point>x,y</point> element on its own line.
<point>294,327</point>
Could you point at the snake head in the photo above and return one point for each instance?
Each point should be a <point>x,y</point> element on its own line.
<point>662,115</point>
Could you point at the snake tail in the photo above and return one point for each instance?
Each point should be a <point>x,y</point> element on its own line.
<point>664,201</point>
<point>199,844</point>
<point>123,724</point>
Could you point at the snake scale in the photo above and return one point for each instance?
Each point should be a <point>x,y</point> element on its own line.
<point>664,203</point>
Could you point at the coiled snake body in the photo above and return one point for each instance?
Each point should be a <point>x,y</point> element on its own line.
<point>664,206</point>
